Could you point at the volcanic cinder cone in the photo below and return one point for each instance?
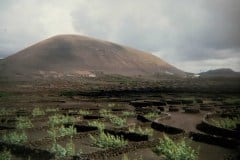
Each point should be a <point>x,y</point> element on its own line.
<point>71,54</point>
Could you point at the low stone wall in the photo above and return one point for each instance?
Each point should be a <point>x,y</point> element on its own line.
<point>191,110</point>
<point>85,128</point>
<point>209,139</point>
<point>206,127</point>
<point>206,108</point>
<point>128,135</point>
<point>187,101</point>
<point>24,151</point>
<point>145,103</point>
<point>174,102</point>
<point>173,109</point>
<point>142,118</point>
<point>92,117</point>
<point>166,116</point>
<point>166,128</point>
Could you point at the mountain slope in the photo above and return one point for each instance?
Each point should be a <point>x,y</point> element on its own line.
<point>75,54</point>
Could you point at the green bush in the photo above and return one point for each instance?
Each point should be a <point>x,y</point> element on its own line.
<point>227,123</point>
<point>71,150</point>
<point>175,151</point>
<point>55,120</point>
<point>151,115</point>
<point>5,155</point>
<point>52,109</point>
<point>118,121</point>
<point>106,113</point>
<point>4,112</point>
<point>53,133</point>
<point>15,137</point>
<point>84,112</point>
<point>68,150</point>
<point>19,136</point>
<point>23,123</point>
<point>98,124</point>
<point>105,140</point>
<point>58,150</point>
<point>56,132</point>
<point>60,119</point>
<point>38,112</point>
<point>111,105</point>
<point>139,130</point>
<point>128,113</point>
<point>69,119</point>
<point>67,131</point>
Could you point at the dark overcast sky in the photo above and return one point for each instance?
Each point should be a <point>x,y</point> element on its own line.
<point>194,35</point>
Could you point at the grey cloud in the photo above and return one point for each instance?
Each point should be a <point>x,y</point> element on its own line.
<point>222,29</point>
<point>191,28</point>
<point>186,31</point>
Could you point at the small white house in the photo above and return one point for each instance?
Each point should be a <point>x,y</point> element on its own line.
<point>196,75</point>
<point>92,75</point>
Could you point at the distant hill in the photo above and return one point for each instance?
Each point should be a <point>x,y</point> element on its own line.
<point>223,72</point>
<point>79,55</point>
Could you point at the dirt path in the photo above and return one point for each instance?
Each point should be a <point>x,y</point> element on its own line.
<point>184,121</point>
<point>212,152</point>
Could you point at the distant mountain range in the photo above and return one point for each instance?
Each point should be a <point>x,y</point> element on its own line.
<point>78,55</point>
<point>223,72</point>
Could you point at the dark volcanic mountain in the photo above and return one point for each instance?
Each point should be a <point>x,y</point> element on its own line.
<point>223,72</point>
<point>73,54</point>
